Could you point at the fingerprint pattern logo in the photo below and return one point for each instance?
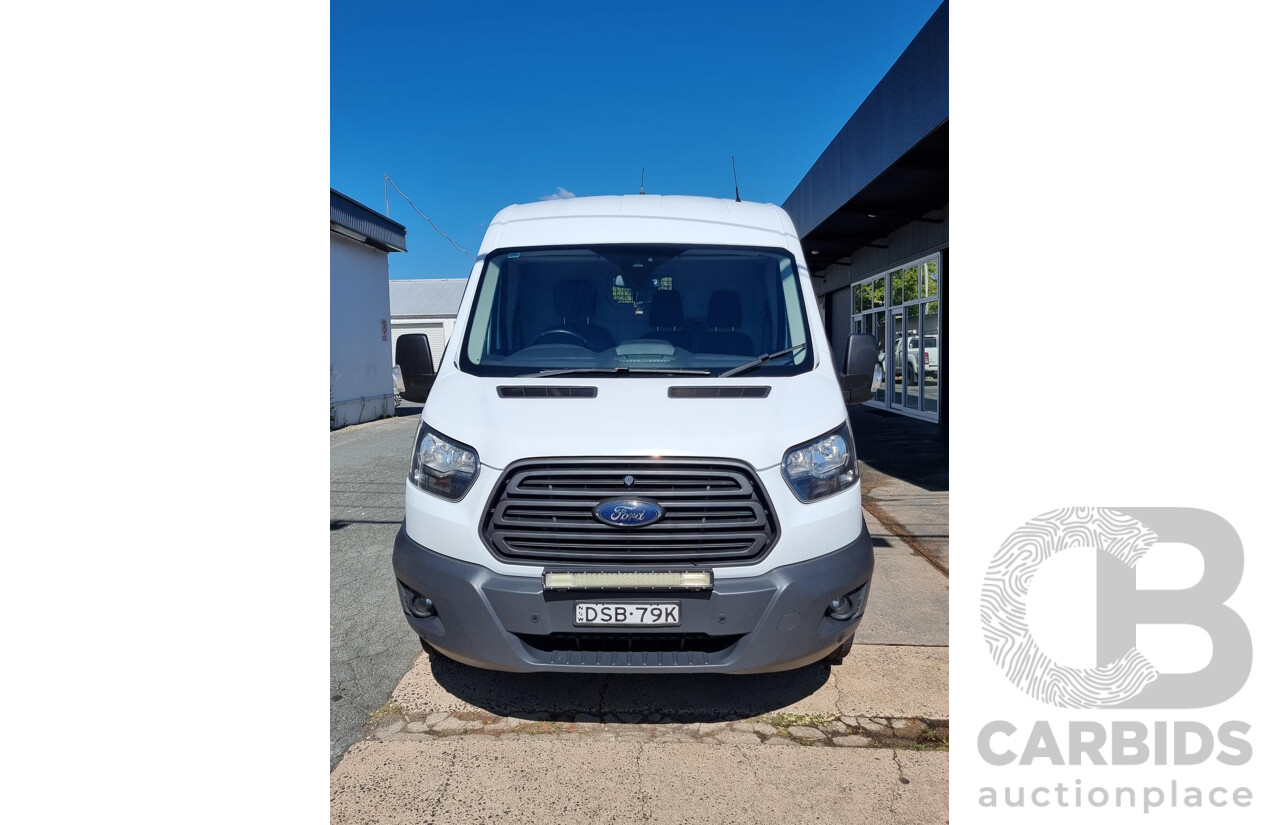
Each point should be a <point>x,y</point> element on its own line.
<point>1004,607</point>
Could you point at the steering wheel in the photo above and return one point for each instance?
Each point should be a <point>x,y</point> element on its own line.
<point>561,331</point>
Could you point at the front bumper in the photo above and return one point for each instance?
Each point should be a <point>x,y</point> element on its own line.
<point>757,624</point>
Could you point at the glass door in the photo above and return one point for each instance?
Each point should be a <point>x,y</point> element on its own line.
<point>896,358</point>
<point>912,360</point>
<point>930,352</point>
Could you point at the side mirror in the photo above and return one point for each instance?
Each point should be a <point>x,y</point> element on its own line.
<point>417,368</point>
<point>862,371</point>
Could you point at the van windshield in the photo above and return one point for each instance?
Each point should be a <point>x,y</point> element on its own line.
<point>637,310</point>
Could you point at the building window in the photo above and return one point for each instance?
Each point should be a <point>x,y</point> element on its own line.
<point>902,309</point>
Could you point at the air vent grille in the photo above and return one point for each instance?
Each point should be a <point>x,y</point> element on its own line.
<point>715,511</point>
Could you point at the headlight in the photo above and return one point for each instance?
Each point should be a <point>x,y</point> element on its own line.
<point>442,467</point>
<point>821,467</point>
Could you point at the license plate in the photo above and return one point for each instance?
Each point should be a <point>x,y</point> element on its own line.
<point>626,614</point>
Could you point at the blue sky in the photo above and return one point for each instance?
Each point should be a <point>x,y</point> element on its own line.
<point>473,106</point>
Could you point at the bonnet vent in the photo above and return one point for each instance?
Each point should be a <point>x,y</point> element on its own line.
<point>718,392</point>
<point>546,392</point>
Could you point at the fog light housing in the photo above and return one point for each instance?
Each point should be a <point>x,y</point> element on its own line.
<point>422,607</point>
<point>847,606</point>
<point>840,609</point>
<point>414,603</point>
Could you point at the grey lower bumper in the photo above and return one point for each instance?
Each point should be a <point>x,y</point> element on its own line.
<point>776,621</point>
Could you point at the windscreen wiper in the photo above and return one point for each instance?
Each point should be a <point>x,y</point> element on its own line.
<point>750,365</point>
<point>614,371</point>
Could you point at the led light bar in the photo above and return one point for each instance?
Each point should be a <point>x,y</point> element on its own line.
<point>648,580</point>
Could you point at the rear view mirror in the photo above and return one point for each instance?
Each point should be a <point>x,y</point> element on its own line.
<point>417,368</point>
<point>862,371</point>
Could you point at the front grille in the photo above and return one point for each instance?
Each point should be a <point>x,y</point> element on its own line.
<point>629,651</point>
<point>630,642</point>
<point>715,512</point>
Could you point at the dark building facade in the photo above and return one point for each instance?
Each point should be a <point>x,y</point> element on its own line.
<point>872,214</point>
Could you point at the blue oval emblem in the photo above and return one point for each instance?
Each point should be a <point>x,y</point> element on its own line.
<point>628,512</point>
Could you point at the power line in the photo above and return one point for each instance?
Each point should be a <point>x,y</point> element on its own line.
<point>387,179</point>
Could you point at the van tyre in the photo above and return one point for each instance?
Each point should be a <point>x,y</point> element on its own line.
<point>836,656</point>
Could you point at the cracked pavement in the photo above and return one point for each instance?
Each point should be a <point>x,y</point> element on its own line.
<point>542,779</point>
<point>429,740</point>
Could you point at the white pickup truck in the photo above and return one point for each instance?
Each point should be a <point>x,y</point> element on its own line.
<point>911,361</point>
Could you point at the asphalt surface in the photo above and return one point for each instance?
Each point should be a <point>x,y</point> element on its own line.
<point>370,646</point>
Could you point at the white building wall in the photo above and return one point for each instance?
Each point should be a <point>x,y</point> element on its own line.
<point>359,333</point>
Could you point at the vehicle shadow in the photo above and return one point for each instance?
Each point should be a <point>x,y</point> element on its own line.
<point>408,408</point>
<point>626,697</point>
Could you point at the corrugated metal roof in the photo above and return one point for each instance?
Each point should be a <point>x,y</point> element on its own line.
<point>366,225</point>
<point>432,296</point>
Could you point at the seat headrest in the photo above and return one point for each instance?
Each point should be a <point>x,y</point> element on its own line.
<point>575,300</point>
<point>725,309</point>
<point>666,310</point>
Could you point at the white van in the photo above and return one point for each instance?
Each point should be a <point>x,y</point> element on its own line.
<point>636,453</point>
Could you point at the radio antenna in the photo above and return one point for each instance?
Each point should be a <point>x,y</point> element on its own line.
<point>641,180</point>
<point>737,198</point>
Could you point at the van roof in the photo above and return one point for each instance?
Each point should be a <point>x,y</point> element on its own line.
<point>639,219</point>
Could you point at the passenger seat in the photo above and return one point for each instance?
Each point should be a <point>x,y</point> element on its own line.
<point>666,316</point>
<point>724,316</point>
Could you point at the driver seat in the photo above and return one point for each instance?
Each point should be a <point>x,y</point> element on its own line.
<point>575,300</point>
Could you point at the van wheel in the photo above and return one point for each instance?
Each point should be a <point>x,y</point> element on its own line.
<point>836,656</point>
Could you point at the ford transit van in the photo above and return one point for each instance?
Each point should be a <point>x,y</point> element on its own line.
<point>636,454</point>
